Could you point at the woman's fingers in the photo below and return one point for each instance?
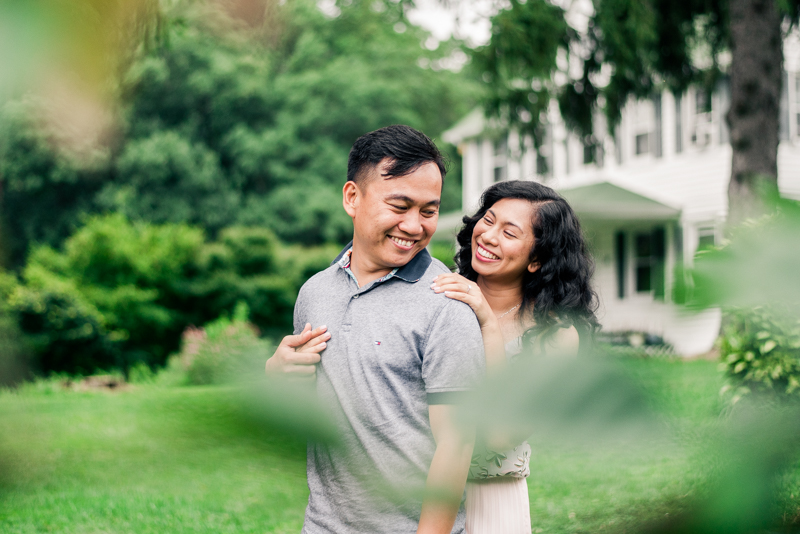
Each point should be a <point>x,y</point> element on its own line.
<point>455,286</point>
<point>313,349</point>
<point>317,344</point>
<point>449,278</point>
<point>466,298</point>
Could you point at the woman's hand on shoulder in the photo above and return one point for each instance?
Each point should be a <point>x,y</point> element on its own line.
<point>457,287</point>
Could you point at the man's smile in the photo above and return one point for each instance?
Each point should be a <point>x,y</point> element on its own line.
<point>405,244</point>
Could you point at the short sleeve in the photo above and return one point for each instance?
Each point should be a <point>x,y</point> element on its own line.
<point>299,313</point>
<point>453,359</point>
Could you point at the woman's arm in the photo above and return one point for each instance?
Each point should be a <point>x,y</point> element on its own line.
<point>457,287</point>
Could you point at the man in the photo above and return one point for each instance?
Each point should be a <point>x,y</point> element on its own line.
<point>396,354</point>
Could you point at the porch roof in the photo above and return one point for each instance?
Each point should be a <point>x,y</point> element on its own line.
<point>608,200</point>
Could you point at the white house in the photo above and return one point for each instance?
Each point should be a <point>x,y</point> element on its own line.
<point>647,201</point>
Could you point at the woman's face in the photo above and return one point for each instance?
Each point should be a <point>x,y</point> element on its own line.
<point>502,241</point>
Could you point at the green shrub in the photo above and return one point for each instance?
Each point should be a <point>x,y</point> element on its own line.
<point>111,298</point>
<point>122,293</point>
<point>66,333</point>
<point>225,350</point>
<point>760,350</point>
<point>14,352</point>
<point>242,265</point>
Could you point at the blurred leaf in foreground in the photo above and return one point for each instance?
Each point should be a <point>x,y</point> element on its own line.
<point>758,444</point>
<point>756,266</point>
<point>291,407</point>
<point>576,400</point>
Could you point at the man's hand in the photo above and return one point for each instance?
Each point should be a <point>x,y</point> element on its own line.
<point>298,355</point>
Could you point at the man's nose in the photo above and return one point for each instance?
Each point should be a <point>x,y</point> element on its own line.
<point>411,223</point>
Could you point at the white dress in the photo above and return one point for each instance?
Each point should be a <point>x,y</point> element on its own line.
<point>497,492</point>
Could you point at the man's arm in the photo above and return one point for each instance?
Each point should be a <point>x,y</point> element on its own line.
<point>448,472</point>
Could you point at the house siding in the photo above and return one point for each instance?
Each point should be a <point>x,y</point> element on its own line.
<point>686,165</point>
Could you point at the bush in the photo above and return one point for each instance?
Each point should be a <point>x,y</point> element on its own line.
<point>224,350</point>
<point>760,350</point>
<point>122,293</point>
<point>111,298</point>
<point>14,352</point>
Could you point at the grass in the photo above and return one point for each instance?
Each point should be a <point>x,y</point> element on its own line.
<point>616,487</point>
<point>149,460</point>
<point>183,459</point>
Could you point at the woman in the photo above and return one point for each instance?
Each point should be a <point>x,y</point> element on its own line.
<point>524,269</point>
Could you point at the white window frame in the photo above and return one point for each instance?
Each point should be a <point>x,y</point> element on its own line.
<point>643,122</point>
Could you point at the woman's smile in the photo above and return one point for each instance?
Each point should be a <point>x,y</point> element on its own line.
<point>483,254</point>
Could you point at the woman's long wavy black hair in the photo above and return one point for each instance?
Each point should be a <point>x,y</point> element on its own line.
<point>559,292</point>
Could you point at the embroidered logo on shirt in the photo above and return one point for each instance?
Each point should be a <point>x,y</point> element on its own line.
<point>377,342</point>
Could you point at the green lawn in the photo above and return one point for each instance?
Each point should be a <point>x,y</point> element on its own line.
<point>150,460</point>
<point>615,487</point>
<point>182,459</point>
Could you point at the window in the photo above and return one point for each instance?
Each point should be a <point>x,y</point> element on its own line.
<point>657,149</point>
<point>642,144</point>
<point>649,255</point>
<point>797,103</point>
<point>701,123</point>
<point>589,149</point>
<point>621,256</point>
<point>544,154</point>
<point>678,125</point>
<point>644,126</point>
<point>702,102</point>
<point>542,165</point>
<point>644,260</point>
<point>706,238</point>
<point>500,159</point>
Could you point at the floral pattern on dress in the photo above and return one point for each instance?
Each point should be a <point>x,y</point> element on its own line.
<point>515,463</point>
<point>487,463</point>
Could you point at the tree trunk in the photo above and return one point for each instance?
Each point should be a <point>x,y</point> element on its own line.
<point>753,118</point>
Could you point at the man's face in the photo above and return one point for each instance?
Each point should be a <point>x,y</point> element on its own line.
<point>393,219</point>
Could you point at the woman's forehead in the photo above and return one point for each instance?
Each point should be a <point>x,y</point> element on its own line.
<point>513,210</point>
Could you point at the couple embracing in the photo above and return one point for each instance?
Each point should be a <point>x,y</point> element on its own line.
<point>394,339</point>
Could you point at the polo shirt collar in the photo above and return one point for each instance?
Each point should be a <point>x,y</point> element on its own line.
<point>410,272</point>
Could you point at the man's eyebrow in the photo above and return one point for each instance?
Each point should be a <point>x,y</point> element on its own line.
<point>409,200</point>
<point>506,222</point>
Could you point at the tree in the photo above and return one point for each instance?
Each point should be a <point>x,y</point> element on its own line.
<point>225,126</point>
<point>631,48</point>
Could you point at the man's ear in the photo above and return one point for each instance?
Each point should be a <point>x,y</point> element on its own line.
<point>351,197</point>
<point>533,266</point>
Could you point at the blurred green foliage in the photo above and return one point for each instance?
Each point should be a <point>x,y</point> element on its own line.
<point>121,293</point>
<point>444,252</point>
<point>221,127</point>
<point>226,349</point>
<point>760,349</point>
<point>752,275</point>
<point>14,351</point>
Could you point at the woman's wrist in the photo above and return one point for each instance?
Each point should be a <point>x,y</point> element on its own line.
<point>490,325</point>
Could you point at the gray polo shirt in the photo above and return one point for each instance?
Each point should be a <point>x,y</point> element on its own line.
<point>395,347</point>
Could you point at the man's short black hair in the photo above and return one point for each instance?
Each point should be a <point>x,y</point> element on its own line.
<point>407,148</point>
